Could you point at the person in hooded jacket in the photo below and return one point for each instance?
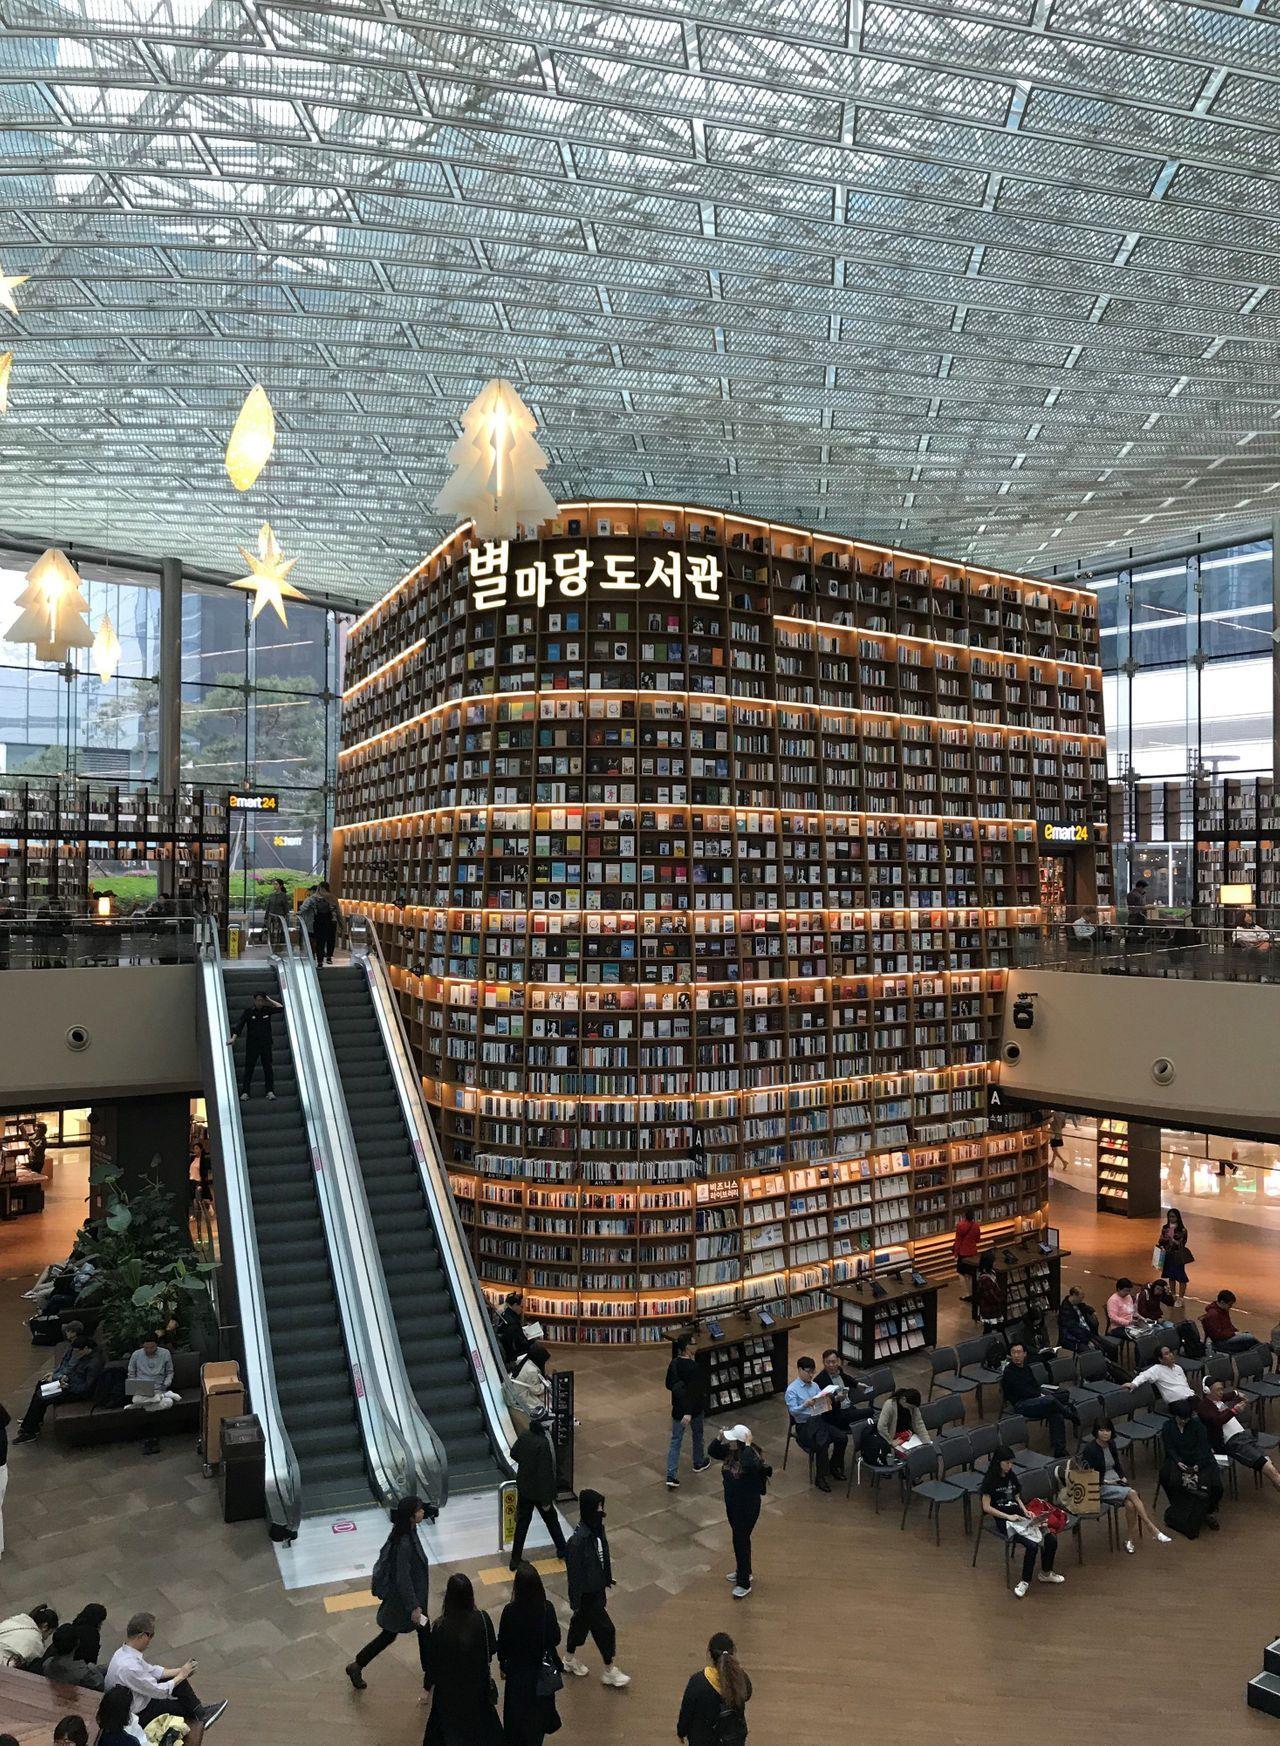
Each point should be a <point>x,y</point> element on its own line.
<point>590,1578</point>
<point>535,1461</point>
<point>745,1476</point>
<point>400,1580</point>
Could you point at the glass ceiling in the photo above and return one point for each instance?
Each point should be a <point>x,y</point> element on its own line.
<point>991,278</point>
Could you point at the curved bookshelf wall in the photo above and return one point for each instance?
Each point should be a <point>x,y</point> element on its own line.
<point>696,845</point>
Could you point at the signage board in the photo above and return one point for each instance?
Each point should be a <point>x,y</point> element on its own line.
<point>562,1430</point>
<point>673,573</point>
<point>252,800</point>
<point>1060,836</point>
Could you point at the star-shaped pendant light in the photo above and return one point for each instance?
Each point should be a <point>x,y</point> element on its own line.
<point>268,568</point>
<point>7,283</point>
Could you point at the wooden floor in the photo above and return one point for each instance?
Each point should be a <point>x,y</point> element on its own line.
<point>31,1707</point>
<point>855,1629</point>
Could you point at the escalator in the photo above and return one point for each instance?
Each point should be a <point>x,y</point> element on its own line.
<point>312,1371</point>
<point>444,1351</point>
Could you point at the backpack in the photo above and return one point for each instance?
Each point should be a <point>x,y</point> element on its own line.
<point>380,1581</point>
<point>1190,1339</point>
<point>729,1728</point>
<point>873,1448</point>
<point>109,1390</point>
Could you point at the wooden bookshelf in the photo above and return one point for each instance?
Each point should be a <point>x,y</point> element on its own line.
<point>697,901</point>
<point>872,1330</point>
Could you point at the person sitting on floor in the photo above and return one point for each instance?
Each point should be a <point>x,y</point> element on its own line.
<point>1223,1411</point>
<point>76,1374</point>
<point>71,1731</point>
<point>63,1664</point>
<point>1219,1327</point>
<point>1100,1453</point>
<point>1166,1373</point>
<point>116,1723</point>
<point>1023,1394</point>
<point>808,1405</point>
<point>25,1637</point>
<point>900,1419</point>
<point>154,1690</point>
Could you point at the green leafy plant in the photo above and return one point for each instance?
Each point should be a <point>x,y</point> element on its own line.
<point>149,1277</point>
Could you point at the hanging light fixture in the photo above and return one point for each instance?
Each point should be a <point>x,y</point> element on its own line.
<point>6,364</point>
<point>106,650</point>
<point>268,568</point>
<point>496,464</point>
<point>7,283</point>
<point>54,611</point>
<point>253,436</point>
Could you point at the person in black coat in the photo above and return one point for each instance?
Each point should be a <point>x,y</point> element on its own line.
<point>400,1581</point>
<point>535,1461</point>
<point>684,1383</point>
<point>745,1475</point>
<point>721,1685</point>
<point>513,1342</point>
<point>1189,1473</point>
<point>590,1575</point>
<point>88,1623</point>
<point>460,1647</point>
<point>528,1637</point>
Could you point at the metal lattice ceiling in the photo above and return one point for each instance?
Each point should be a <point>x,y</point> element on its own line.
<point>992,278</point>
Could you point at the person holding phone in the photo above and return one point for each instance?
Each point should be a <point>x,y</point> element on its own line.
<point>156,1690</point>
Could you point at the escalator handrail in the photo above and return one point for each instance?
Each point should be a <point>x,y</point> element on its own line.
<point>487,1362</point>
<point>405,1456</point>
<point>283,1476</point>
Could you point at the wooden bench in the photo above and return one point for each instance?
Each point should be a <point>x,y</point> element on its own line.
<point>31,1706</point>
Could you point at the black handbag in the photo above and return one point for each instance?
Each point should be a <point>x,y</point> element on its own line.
<point>550,1679</point>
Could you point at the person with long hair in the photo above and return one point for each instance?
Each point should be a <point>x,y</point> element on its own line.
<point>715,1700</point>
<point>401,1577</point>
<point>1175,1252</point>
<point>71,1731</point>
<point>1002,1500</point>
<point>88,1624</point>
<point>900,1418</point>
<point>460,1646</point>
<point>528,1638</point>
<point>116,1726</point>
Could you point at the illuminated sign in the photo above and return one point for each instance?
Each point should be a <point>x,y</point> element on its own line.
<point>278,842</point>
<point>672,571</point>
<point>1060,834</point>
<point>257,801</point>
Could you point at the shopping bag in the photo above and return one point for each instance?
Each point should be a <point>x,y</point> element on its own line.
<point>1081,1491</point>
<point>1157,1256</point>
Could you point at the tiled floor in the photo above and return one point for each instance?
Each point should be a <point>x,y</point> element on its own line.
<point>855,1626</point>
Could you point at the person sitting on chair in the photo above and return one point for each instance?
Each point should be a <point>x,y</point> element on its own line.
<point>1078,1326</point>
<point>1220,1409</point>
<point>1121,1310</point>
<point>852,1402</point>
<point>514,1342</point>
<point>809,1408</point>
<point>1249,936</point>
<point>900,1418</point>
<point>1166,1373</point>
<point>1189,1473</point>
<point>76,1374</point>
<point>1219,1327</point>
<point>1023,1394</point>
<point>1100,1453</point>
<point>1002,1501</point>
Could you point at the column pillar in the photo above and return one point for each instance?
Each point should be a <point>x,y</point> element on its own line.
<point>170,699</point>
<point>1275,647</point>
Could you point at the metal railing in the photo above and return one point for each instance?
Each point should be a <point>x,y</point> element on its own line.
<point>283,1477</point>
<point>488,1366</point>
<point>1193,945</point>
<point>405,1456</point>
<point>40,941</point>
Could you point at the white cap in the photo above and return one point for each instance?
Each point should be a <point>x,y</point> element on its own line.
<point>737,1434</point>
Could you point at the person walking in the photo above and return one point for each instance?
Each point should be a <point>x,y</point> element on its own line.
<point>460,1647</point>
<point>745,1476</point>
<point>528,1638</point>
<point>401,1578</point>
<point>688,1401</point>
<point>320,913</point>
<point>590,1578</point>
<point>535,1461</point>
<point>712,1711</point>
<point>255,1022</point>
<point>1175,1252</point>
<point>278,904</point>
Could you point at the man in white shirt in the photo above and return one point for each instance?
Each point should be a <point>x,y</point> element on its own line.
<point>158,1691</point>
<point>809,1405</point>
<point>1167,1374</point>
<point>1249,936</point>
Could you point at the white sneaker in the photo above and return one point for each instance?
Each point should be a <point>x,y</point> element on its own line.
<point>1164,1539</point>
<point>615,1676</point>
<point>244,1097</point>
<point>1129,1546</point>
<point>740,1593</point>
<point>578,1668</point>
<point>1020,1588</point>
<point>731,1576</point>
<point>1050,1576</point>
<point>271,1097</point>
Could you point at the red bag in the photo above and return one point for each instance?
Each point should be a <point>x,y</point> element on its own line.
<point>1050,1516</point>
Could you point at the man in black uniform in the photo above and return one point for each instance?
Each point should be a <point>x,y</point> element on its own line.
<point>255,1022</point>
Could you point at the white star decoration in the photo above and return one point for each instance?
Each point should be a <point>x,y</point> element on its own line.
<point>268,568</point>
<point>7,283</point>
